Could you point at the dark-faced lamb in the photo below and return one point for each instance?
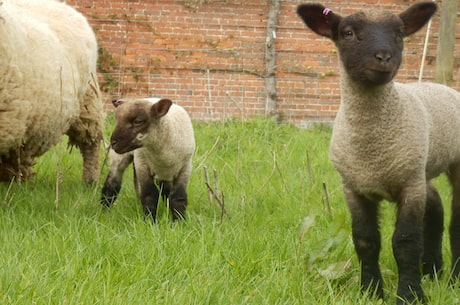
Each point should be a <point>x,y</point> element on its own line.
<point>48,87</point>
<point>158,137</point>
<point>389,140</point>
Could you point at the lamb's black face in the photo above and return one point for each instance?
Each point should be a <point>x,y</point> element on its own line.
<point>132,122</point>
<point>370,47</point>
<point>370,43</point>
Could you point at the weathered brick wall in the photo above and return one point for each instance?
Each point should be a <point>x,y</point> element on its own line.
<point>212,60</point>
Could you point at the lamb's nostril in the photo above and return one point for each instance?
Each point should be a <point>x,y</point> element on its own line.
<point>383,57</point>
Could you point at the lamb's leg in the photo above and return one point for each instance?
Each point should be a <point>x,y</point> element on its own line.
<point>114,179</point>
<point>366,238</point>
<point>165,189</point>
<point>178,202</point>
<point>454,229</point>
<point>433,227</point>
<point>408,242</point>
<point>146,190</point>
<point>178,197</point>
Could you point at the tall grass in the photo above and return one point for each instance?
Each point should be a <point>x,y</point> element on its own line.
<point>277,242</point>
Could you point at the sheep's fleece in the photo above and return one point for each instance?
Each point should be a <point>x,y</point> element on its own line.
<point>48,85</point>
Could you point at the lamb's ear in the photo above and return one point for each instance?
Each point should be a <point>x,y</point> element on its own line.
<point>117,102</point>
<point>160,108</point>
<point>320,19</point>
<point>416,16</point>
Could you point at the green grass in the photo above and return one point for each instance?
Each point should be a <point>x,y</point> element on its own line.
<point>277,243</point>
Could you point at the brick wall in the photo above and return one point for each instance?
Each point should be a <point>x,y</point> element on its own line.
<point>212,60</point>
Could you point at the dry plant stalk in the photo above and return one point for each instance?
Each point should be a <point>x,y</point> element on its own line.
<point>326,195</point>
<point>209,152</point>
<point>310,172</point>
<point>215,192</point>
<point>275,167</point>
<point>206,179</point>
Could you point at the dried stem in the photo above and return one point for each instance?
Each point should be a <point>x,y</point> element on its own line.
<point>206,179</point>
<point>219,198</point>
<point>215,192</point>
<point>275,167</point>
<point>310,172</point>
<point>208,153</point>
<point>326,194</point>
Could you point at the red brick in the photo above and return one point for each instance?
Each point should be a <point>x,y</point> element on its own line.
<point>163,48</point>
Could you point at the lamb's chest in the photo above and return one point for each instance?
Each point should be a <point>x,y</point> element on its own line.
<point>161,166</point>
<point>375,167</point>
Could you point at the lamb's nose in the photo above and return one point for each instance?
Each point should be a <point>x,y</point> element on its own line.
<point>383,57</point>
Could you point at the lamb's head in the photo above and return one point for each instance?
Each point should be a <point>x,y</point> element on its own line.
<point>134,121</point>
<point>370,43</point>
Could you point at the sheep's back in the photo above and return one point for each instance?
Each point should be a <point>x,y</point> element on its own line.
<point>443,107</point>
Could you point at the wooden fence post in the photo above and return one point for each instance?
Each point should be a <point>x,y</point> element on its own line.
<point>270,57</point>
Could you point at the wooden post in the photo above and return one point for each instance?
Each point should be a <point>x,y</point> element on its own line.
<point>446,42</point>
<point>270,57</point>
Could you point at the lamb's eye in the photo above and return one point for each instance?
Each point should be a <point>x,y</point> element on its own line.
<point>138,122</point>
<point>348,34</point>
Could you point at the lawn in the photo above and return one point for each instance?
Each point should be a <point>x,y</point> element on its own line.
<point>282,235</point>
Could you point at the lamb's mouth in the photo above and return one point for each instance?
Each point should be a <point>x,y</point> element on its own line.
<point>379,76</point>
<point>120,149</point>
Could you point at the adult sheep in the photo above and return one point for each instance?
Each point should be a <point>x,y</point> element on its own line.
<point>48,86</point>
<point>158,137</point>
<point>389,140</point>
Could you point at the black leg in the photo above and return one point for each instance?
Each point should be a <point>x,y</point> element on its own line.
<point>178,202</point>
<point>408,243</point>
<point>366,238</point>
<point>110,193</point>
<point>165,189</point>
<point>149,199</point>
<point>114,179</point>
<point>433,227</point>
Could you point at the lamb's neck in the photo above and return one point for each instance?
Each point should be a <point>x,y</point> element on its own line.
<point>373,103</point>
<point>157,136</point>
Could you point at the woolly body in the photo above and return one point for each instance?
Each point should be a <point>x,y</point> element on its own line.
<point>414,131</point>
<point>161,148</point>
<point>389,140</point>
<point>48,55</point>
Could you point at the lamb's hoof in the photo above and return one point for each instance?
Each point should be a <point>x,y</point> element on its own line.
<point>109,195</point>
<point>411,296</point>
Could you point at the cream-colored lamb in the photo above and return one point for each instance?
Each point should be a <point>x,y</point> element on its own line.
<point>158,137</point>
<point>389,141</point>
<point>48,85</point>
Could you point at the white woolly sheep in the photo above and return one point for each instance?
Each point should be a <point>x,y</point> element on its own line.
<point>389,140</point>
<point>158,136</point>
<point>48,55</point>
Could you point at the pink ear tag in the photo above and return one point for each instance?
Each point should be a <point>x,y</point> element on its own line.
<point>327,11</point>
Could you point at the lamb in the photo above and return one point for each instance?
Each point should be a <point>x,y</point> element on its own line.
<point>157,136</point>
<point>389,140</point>
<point>48,55</point>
